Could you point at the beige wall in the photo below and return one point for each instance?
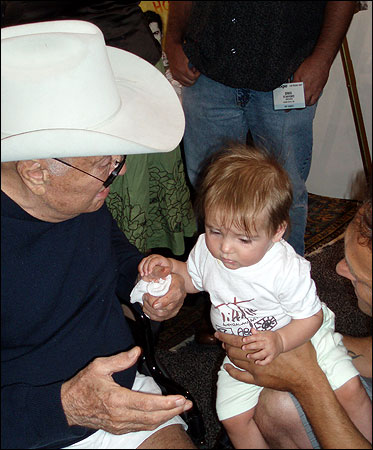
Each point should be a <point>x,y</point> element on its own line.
<point>336,163</point>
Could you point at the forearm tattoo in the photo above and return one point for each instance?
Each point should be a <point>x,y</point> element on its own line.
<point>353,354</point>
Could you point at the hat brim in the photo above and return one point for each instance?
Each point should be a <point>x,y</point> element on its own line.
<point>150,120</point>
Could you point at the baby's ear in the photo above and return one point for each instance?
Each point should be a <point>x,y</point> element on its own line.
<point>280,232</point>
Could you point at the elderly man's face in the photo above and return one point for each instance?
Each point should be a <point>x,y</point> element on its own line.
<point>357,267</point>
<point>74,192</point>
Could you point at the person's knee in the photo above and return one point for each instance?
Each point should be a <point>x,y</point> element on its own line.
<point>352,392</point>
<point>238,422</point>
<point>271,402</point>
<point>278,420</point>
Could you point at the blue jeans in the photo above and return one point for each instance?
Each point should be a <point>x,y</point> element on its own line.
<point>216,113</point>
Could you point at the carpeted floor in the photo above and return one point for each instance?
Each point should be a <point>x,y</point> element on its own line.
<point>327,220</point>
<point>195,366</point>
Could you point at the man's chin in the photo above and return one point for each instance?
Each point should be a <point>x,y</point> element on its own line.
<point>365,307</point>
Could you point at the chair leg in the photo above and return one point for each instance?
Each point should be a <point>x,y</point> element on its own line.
<point>144,336</point>
<point>222,440</point>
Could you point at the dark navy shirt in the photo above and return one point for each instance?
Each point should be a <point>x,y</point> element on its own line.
<point>249,44</point>
<point>59,311</point>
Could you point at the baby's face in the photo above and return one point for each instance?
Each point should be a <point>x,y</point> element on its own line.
<point>233,247</point>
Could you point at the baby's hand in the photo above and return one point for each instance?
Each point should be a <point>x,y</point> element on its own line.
<point>154,267</point>
<point>265,345</point>
<point>157,273</point>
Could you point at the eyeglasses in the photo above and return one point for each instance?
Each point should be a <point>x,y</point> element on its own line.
<point>110,178</point>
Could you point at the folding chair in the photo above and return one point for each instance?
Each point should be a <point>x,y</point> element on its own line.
<point>141,327</point>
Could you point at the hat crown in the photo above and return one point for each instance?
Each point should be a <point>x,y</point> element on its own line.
<point>65,74</point>
<point>64,93</point>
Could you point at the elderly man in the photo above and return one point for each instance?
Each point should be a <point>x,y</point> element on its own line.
<point>71,106</point>
<point>297,371</point>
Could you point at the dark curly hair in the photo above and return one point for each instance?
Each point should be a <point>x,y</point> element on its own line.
<point>152,16</point>
<point>364,223</point>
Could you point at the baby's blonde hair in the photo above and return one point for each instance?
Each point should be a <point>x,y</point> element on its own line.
<point>239,184</point>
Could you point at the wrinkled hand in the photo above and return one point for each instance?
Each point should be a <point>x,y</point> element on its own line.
<point>167,306</point>
<point>264,346</point>
<point>314,73</point>
<point>290,371</point>
<point>92,399</point>
<point>179,65</point>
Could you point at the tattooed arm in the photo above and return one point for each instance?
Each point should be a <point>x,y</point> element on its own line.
<point>360,349</point>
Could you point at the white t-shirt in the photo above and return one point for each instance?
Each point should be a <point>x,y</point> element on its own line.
<point>266,295</point>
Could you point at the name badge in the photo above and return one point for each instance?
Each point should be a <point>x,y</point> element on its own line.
<point>289,96</point>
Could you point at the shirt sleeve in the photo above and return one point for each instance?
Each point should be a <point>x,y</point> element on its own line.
<point>128,257</point>
<point>297,291</point>
<point>35,418</point>
<point>32,415</point>
<point>196,262</point>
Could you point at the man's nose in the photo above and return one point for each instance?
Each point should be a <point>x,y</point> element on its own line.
<point>343,270</point>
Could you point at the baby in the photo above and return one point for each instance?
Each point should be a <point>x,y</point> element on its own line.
<point>259,286</point>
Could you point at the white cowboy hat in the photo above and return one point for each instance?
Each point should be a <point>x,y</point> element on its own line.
<point>65,93</point>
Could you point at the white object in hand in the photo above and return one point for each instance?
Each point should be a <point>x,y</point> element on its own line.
<point>155,288</point>
<point>159,288</point>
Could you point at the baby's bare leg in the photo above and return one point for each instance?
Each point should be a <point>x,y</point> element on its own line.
<point>354,399</point>
<point>279,422</point>
<point>172,436</point>
<point>243,431</point>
